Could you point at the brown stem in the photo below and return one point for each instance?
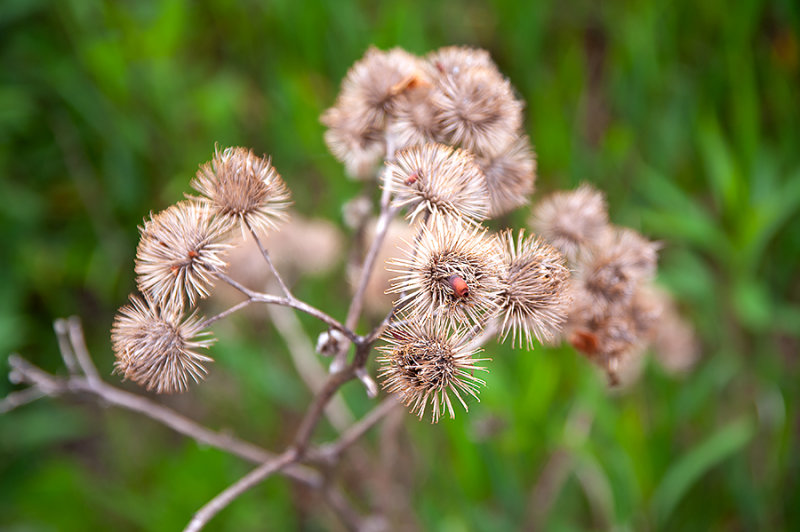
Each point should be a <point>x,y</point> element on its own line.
<point>78,343</point>
<point>225,313</point>
<point>317,407</point>
<point>381,228</point>
<point>257,475</point>
<point>265,254</point>
<point>292,302</point>
<point>43,383</point>
<point>51,385</point>
<point>20,398</point>
<point>307,364</point>
<point>62,335</point>
<point>331,451</point>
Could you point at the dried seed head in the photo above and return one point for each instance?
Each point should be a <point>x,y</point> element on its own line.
<point>375,82</point>
<point>156,348</point>
<point>609,341</point>
<point>179,254</point>
<point>534,299</point>
<point>453,60</point>
<point>647,307</point>
<point>510,176</point>
<point>424,362</point>
<point>451,271</point>
<point>572,220</point>
<point>613,270</point>
<point>415,119</point>
<point>243,189</point>
<point>440,180</point>
<point>478,110</point>
<point>370,91</point>
<point>616,335</point>
<point>675,342</point>
<point>354,141</point>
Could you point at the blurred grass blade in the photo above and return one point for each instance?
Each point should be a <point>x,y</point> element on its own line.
<point>721,170</point>
<point>693,465</point>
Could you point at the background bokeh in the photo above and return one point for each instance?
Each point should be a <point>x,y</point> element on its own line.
<point>687,114</point>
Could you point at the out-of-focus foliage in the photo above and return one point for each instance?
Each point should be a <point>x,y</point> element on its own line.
<point>686,113</point>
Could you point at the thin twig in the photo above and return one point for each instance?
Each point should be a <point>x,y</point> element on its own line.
<point>265,254</point>
<point>317,407</point>
<point>292,302</point>
<point>369,383</point>
<point>308,367</point>
<point>225,313</point>
<point>65,347</point>
<point>349,516</point>
<point>257,475</point>
<point>332,450</point>
<point>381,227</point>
<point>44,384</point>
<point>20,398</point>
<point>51,385</point>
<point>378,330</point>
<point>299,448</point>
<point>78,343</point>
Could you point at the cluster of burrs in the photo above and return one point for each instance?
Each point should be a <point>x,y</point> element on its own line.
<point>448,128</point>
<point>158,338</point>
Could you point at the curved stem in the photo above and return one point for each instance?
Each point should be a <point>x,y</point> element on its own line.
<point>51,385</point>
<point>332,450</point>
<point>294,303</point>
<point>265,254</point>
<point>225,313</point>
<point>218,503</point>
<point>381,228</point>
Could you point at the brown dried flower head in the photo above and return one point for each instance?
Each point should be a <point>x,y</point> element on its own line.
<point>243,189</point>
<point>376,80</point>
<point>613,269</point>
<point>415,120</point>
<point>450,272</point>
<point>156,348</point>
<point>609,341</point>
<point>453,60</point>
<point>510,176</point>
<point>439,180</point>
<point>425,363</point>
<point>478,110</point>
<point>675,342</point>
<point>353,140</point>
<point>615,335</point>
<point>573,220</point>
<point>370,92</point>
<point>534,299</point>
<point>647,308</point>
<point>180,251</point>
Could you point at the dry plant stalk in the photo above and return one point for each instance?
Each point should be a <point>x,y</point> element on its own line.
<point>449,130</point>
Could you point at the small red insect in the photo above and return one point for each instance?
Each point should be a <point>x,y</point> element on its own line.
<point>412,179</point>
<point>459,286</point>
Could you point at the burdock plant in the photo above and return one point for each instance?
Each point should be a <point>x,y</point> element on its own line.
<point>442,138</point>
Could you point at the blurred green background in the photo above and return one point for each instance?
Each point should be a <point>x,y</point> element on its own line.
<point>687,114</point>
